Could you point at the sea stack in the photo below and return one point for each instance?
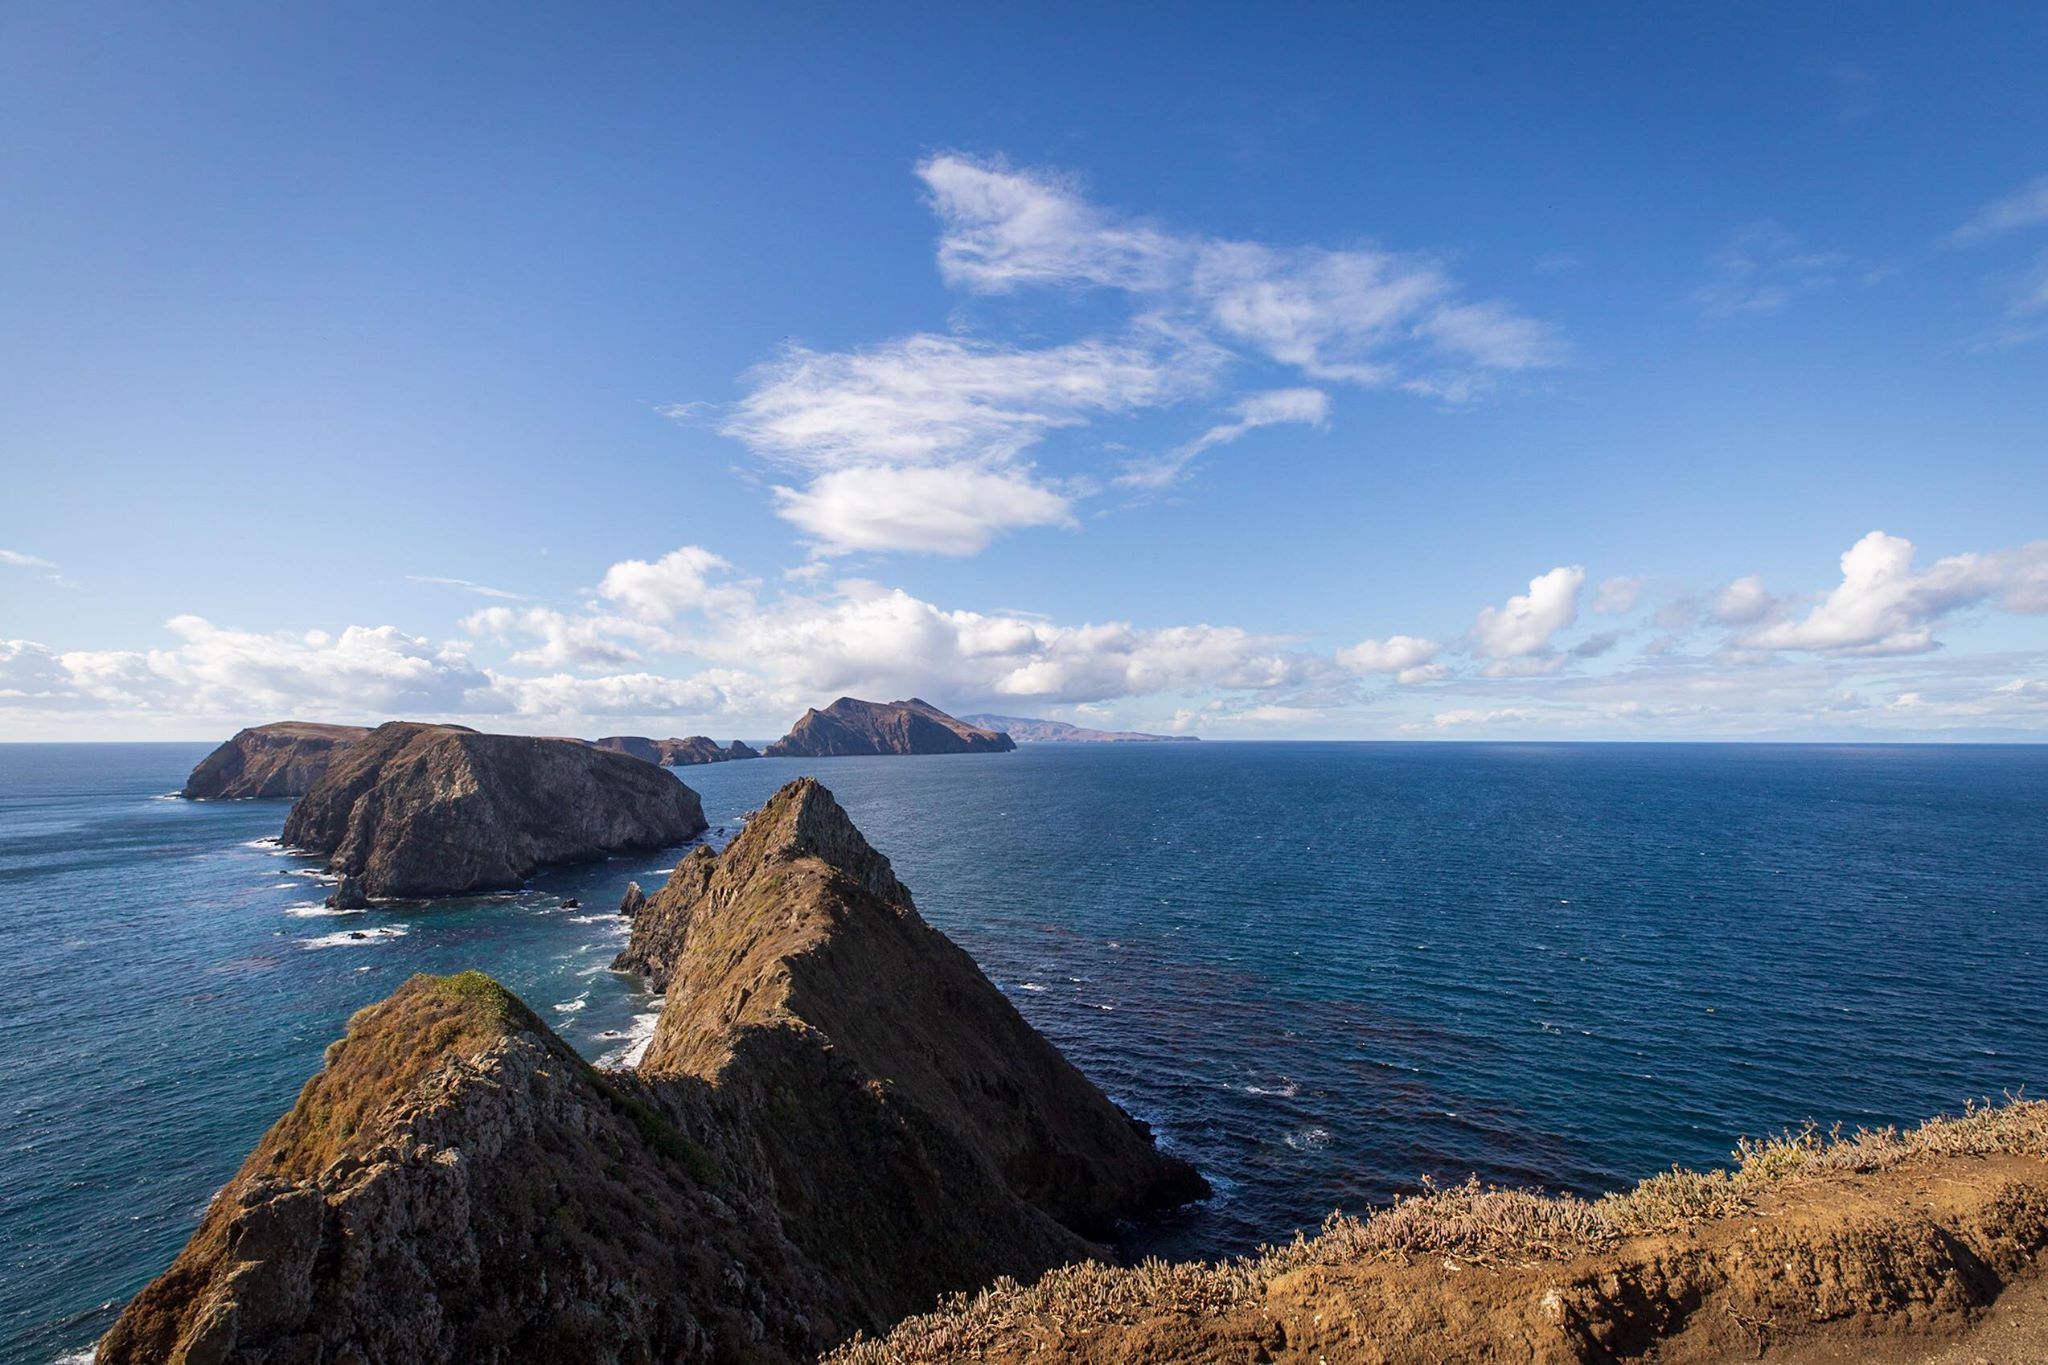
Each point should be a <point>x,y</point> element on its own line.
<point>850,726</point>
<point>282,759</point>
<point>428,810</point>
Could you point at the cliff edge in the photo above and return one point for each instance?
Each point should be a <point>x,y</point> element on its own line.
<point>282,759</point>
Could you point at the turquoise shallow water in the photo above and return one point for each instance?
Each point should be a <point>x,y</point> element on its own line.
<point>1322,970</point>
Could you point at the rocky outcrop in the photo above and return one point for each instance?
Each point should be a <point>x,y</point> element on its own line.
<point>740,749</point>
<point>850,726</point>
<point>284,759</point>
<point>458,1185</point>
<point>633,902</point>
<point>427,810</point>
<point>796,964</point>
<point>348,894</point>
<point>1026,731</point>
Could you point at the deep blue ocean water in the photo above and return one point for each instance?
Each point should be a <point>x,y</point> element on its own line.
<point>1321,970</point>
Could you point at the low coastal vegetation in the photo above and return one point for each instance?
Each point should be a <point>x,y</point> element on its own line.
<point>1469,1224</point>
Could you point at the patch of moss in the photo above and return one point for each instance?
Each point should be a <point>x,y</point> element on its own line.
<point>479,991</point>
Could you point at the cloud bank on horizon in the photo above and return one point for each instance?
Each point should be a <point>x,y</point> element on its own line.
<point>1730,661</point>
<point>938,443</point>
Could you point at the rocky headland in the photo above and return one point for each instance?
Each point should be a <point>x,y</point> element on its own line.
<point>1027,731</point>
<point>282,759</point>
<point>839,1121</point>
<point>428,810</point>
<point>850,726</point>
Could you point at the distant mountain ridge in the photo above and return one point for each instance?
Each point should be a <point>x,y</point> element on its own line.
<point>851,726</point>
<point>1027,731</point>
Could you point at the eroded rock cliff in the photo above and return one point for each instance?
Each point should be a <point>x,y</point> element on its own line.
<point>425,810</point>
<point>850,726</point>
<point>283,759</point>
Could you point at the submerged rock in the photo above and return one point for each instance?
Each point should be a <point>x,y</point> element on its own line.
<point>850,726</point>
<point>427,810</point>
<point>283,759</point>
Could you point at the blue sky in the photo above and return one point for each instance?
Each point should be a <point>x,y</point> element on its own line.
<point>1464,371</point>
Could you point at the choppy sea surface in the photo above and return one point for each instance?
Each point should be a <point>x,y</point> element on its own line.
<point>1321,970</point>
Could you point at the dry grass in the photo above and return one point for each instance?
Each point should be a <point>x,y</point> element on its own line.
<point>1470,1222</point>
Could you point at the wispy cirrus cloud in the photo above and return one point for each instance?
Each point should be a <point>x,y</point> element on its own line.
<point>1307,407</point>
<point>479,589</point>
<point>1761,269</point>
<point>932,442</point>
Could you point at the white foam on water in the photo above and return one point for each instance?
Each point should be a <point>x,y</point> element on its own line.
<point>638,1035</point>
<point>1031,986</point>
<point>356,938</point>
<point>572,1006</point>
<point>1308,1139</point>
<point>318,910</point>
<point>613,918</point>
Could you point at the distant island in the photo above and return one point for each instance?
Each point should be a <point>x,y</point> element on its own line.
<point>432,810</point>
<point>850,727</point>
<point>1027,731</point>
<point>677,753</point>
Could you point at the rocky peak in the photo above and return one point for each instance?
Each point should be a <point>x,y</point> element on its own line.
<point>796,964</point>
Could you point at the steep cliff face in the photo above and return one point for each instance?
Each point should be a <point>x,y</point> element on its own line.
<point>805,990</point>
<point>850,726</point>
<point>457,1185</point>
<point>284,759</point>
<point>424,810</point>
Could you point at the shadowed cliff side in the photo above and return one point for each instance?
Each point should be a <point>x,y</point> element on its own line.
<point>282,759</point>
<point>825,1014</point>
<point>425,810</point>
<point>458,1185</point>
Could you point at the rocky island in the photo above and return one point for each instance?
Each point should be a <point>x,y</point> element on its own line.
<point>850,726</point>
<point>281,759</point>
<point>428,810</point>
<point>1027,731</point>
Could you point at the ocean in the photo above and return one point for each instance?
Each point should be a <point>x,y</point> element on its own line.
<point>1322,971</point>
